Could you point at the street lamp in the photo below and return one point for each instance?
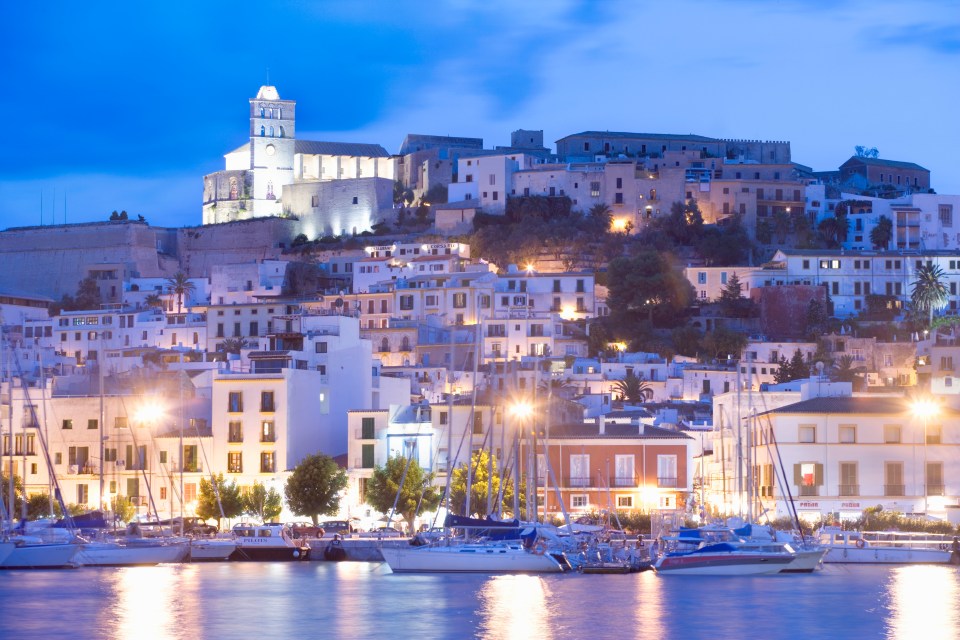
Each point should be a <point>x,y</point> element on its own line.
<point>520,410</point>
<point>924,409</point>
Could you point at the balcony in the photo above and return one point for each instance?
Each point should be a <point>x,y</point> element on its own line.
<point>667,482</point>
<point>805,491</point>
<point>268,437</point>
<point>848,490</point>
<point>935,490</point>
<point>235,438</point>
<point>578,481</point>
<point>630,481</point>
<point>192,467</point>
<point>894,490</point>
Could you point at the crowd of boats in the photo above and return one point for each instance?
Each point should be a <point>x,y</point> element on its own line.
<point>468,545</point>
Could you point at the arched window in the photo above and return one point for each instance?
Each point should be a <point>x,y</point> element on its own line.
<point>262,131</point>
<point>385,345</point>
<point>271,131</point>
<point>653,194</point>
<point>405,345</point>
<point>280,113</point>
<point>261,112</point>
<point>233,189</point>
<point>281,132</point>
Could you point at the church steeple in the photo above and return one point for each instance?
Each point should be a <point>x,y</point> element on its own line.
<point>272,146</point>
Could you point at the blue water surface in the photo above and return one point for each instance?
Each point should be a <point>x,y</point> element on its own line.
<point>366,600</point>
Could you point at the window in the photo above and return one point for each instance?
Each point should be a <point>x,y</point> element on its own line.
<point>367,429</point>
<point>893,479</point>
<point>848,479</point>
<point>267,462</point>
<point>807,433</point>
<point>701,277</point>
<point>83,494</point>
<point>808,476</point>
<point>848,433</point>
<point>320,347</point>
<point>933,433</point>
<point>235,431</point>
<point>595,189</point>
<point>314,201</point>
<point>406,303</point>
<point>624,466</point>
<point>235,402</point>
<point>625,502</point>
<point>579,501</point>
<point>459,300</point>
<point>891,433</point>
<point>267,432</point>
<point>579,470</point>
<point>235,462</point>
<point>946,215</point>
<point>667,471</point>
<point>367,456</point>
<point>478,422</point>
<point>266,402</point>
<point>67,423</point>
<point>934,479</point>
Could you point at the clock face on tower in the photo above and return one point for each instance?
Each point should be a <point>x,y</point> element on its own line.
<point>270,149</point>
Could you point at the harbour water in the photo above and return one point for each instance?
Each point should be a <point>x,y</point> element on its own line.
<point>365,600</point>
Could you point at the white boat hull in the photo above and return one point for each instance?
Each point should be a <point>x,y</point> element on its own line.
<point>806,561</point>
<point>110,554</point>
<point>885,555</point>
<point>211,550</point>
<point>722,564</point>
<point>468,559</point>
<point>41,556</point>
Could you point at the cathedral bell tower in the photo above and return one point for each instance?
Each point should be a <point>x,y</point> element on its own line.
<point>272,145</point>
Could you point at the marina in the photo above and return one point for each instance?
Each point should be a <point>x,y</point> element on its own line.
<point>357,600</point>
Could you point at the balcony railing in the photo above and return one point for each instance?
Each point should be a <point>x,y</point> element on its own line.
<point>894,490</point>
<point>192,467</point>
<point>849,489</point>
<point>268,437</point>
<point>667,482</point>
<point>578,481</point>
<point>624,481</point>
<point>235,438</point>
<point>808,490</point>
<point>935,490</point>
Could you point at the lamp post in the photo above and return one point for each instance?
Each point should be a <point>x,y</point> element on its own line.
<point>924,409</point>
<point>519,411</point>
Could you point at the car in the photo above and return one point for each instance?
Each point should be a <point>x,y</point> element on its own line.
<point>387,532</point>
<point>331,527</point>
<point>191,525</point>
<point>306,530</point>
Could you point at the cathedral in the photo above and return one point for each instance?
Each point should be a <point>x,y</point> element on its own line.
<point>332,188</point>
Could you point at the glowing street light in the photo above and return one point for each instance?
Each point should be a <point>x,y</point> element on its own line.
<point>521,409</point>
<point>925,409</point>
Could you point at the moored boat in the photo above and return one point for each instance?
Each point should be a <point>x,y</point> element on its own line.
<point>265,542</point>
<point>28,552</point>
<point>883,547</point>
<point>467,557</point>
<point>133,552</point>
<point>212,549</point>
<point>722,559</point>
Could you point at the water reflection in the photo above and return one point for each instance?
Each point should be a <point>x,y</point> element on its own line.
<point>923,603</point>
<point>152,602</point>
<point>650,612</point>
<point>514,607</point>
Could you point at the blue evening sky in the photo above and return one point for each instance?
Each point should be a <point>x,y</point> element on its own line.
<point>125,105</point>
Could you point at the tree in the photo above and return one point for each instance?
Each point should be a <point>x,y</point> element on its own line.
<point>833,230</point>
<point>782,225</point>
<point>882,233</point>
<point>437,194</point>
<point>794,369</point>
<point>480,465</point>
<point>263,504</point>
<point>732,302</point>
<point>180,286</point>
<point>216,493</point>
<point>153,301</point>
<point>416,491</point>
<point>645,285</point>
<point>314,487</point>
<point>846,370</point>
<point>686,340</point>
<point>722,342</point>
<point>599,217</point>
<point>864,152</point>
<point>122,508</point>
<point>816,319</point>
<point>232,345</point>
<point>17,493</point>
<point>928,292</point>
<point>88,295</point>
<point>763,232</point>
<point>633,388</point>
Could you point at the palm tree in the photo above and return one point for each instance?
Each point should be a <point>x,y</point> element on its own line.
<point>846,370</point>
<point>599,216</point>
<point>153,301</point>
<point>881,234</point>
<point>232,345</point>
<point>928,292</point>
<point>180,285</point>
<point>633,389</point>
